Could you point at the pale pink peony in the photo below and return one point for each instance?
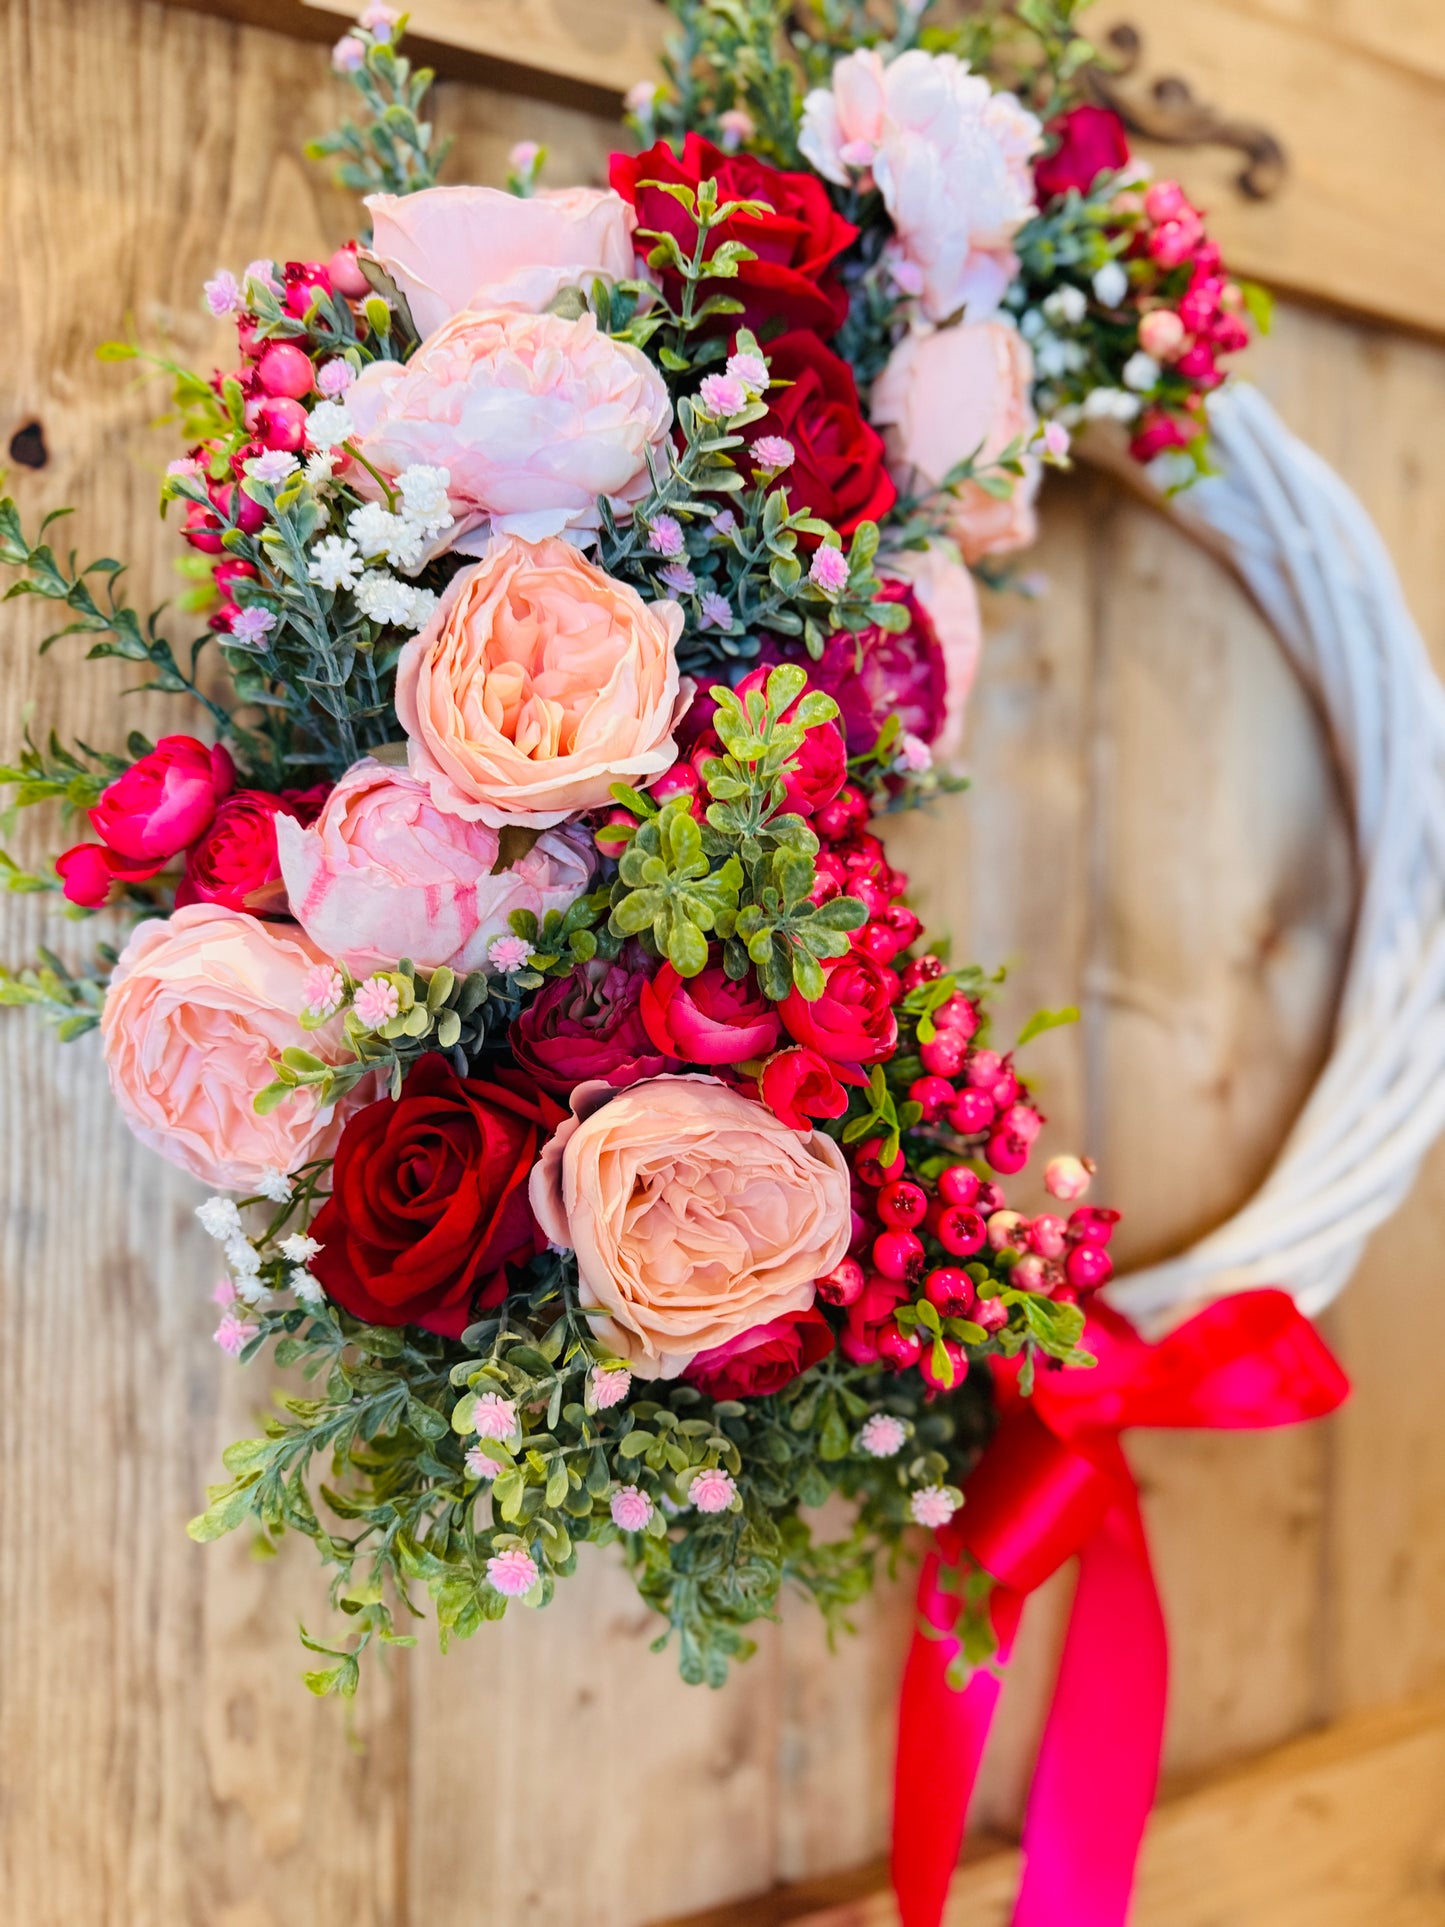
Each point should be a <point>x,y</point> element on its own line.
<point>695,1214</point>
<point>539,682</point>
<point>197,1008</point>
<point>950,600</point>
<point>951,159</point>
<point>383,873</point>
<point>512,1573</point>
<point>949,393</point>
<point>450,248</point>
<point>533,417</point>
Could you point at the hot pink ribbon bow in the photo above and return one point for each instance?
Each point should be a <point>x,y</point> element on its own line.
<point>1054,1485</point>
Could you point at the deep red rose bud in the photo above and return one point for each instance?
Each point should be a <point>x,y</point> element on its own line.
<point>935,1094</point>
<point>1090,141</point>
<point>866,1165</point>
<point>843,1285</point>
<point>960,1231</point>
<point>164,801</point>
<point>707,1019</point>
<point>902,1204</point>
<point>798,1087</point>
<point>955,1371</point>
<point>971,1112</point>
<point>1087,1267</point>
<point>958,1185</point>
<point>950,1291</point>
<point>763,1359</point>
<point>898,1349</point>
<point>899,1254</point>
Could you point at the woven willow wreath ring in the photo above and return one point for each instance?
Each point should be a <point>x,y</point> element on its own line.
<point>1308,552</point>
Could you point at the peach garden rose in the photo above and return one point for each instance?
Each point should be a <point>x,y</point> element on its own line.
<point>539,682</point>
<point>198,1005</point>
<point>383,873</point>
<point>533,416</point>
<point>695,1215</point>
<point>450,248</point>
<point>948,393</point>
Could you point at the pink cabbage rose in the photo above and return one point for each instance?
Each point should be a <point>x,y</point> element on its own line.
<point>197,1008</point>
<point>951,159</point>
<point>538,683</point>
<point>708,1019</point>
<point>946,591</point>
<point>450,248</point>
<point>383,873</point>
<point>948,393</point>
<point>695,1215</point>
<point>532,415</point>
<point>587,1025</point>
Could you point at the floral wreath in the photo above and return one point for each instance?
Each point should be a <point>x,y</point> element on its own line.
<point>590,572</point>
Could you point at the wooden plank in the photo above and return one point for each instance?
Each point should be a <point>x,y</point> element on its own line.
<point>1410,33</point>
<point>1344,1827</point>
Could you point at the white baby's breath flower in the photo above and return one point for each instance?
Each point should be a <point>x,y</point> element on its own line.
<point>1141,372</point>
<point>381,597</point>
<point>423,608</point>
<point>276,1186</point>
<point>242,1256</point>
<point>299,1248</point>
<point>424,493</point>
<point>219,1218</point>
<point>1111,284</point>
<point>329,424</point>
<point>1066,304</point>
<point>308,1288</point>
<point>335,563</point>
<point>319,467</point>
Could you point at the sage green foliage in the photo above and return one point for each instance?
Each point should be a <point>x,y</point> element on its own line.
<point>70,1004</point>
<point>391,150</point>
<point>386,1428</point>
<point>744,875</point>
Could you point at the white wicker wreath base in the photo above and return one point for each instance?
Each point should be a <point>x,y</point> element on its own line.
<point>1317,567</point>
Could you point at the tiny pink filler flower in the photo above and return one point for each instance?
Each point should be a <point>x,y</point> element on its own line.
<point>713,1490</point>
<point>512,1573</point>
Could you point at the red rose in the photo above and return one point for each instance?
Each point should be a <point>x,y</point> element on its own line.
<point>852,1022</point>
<point>164,801</point>
<point>819,769</point>
<point>235,862</point>
<point>838,471</point>
<point>799,1086</point>
<point>429,1198</point>
<point>764,1359</point>
<point>584,1026</point>
<point>796,239</point>
<point>879,673</point>
<point>1091,142</point>
<point>708,1019</point>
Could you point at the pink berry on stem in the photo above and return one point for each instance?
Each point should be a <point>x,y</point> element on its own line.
<point>991,1313</point>
<point>843,1285</point>
<point>897,1348</point>
<point>902,1204</point>
<point>346,276</point>
<point>1005,1154</point>
<point>960,1231</point>
<point>1066,1178</point>
<point>958,1016</point>
<point>899,1255</point>
<point>1005,1229</point>
<point>1087,1267</point>
<point>933,1094</point>
<point>285,370</point>
<point>971,1112</point>
<point>1092,1224</point>
<point>1029,1274</point>
<point>904,923</point>
<point>955,1371</point>
<point>950,1291</point>
<point>958,1185</point>
<point>943,1054</point>
<point>923,970</point>
<point>1046,1235</point>
<point>985,1067</point>
<point>866,1166</point>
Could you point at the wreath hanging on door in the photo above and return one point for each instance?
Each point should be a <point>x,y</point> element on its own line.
<point>588,572</point>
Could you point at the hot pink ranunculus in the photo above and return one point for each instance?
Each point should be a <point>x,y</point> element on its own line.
<point>164,800</point>
<point>198,1007</point>
<point>708,1019</point>
<point>950,158</point>
<point>450,248</point>
<point>946,591</point>
<point>949,393</point>
<point>540,682</point>
<point>532,415</point>
<point>383,873</point>
<point>695,1215</point>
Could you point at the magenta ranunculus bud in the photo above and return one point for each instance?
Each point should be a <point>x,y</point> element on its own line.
<point>587,1026</point>
<point>898,1349</point>
<point>284,369</point>
<point>958,1185</point>
<point>345,274</point>
<point>1087,1267</point>
<point>164,801</point>
<point>202,530</point>
<point>708,1019</point>
<point>843,1285</point>
<point>960,1231</point>
<point>950,1291</point>
<point>875,940</point>
<point>87,871</point>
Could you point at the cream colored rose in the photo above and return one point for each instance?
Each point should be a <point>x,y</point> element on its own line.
<point>450,248</point>
<point>695,1215</point>
<point>198,1007</point>
<point>539,683</point>
<point>948,393</point>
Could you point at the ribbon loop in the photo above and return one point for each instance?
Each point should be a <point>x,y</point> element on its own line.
<point>1054,1484</point>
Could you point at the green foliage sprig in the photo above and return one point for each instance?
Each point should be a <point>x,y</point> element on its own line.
<point>71,1004</point>
<point>391,150</point>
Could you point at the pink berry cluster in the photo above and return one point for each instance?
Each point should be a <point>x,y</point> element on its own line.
<point>276,379</point>
<point>1191,313</point>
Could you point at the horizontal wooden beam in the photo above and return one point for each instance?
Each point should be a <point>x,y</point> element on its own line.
<point>1344,1827</point>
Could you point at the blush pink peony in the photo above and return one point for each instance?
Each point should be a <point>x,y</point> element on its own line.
<point>383,873</point>
<point>695,1215</point>
<point>951,159</point>
<point>946,590</point>
<point>539,682</point>
<point>950,393</point>
<point>197,1008</point>
<point>533,417</point>
<point>450,248</point>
